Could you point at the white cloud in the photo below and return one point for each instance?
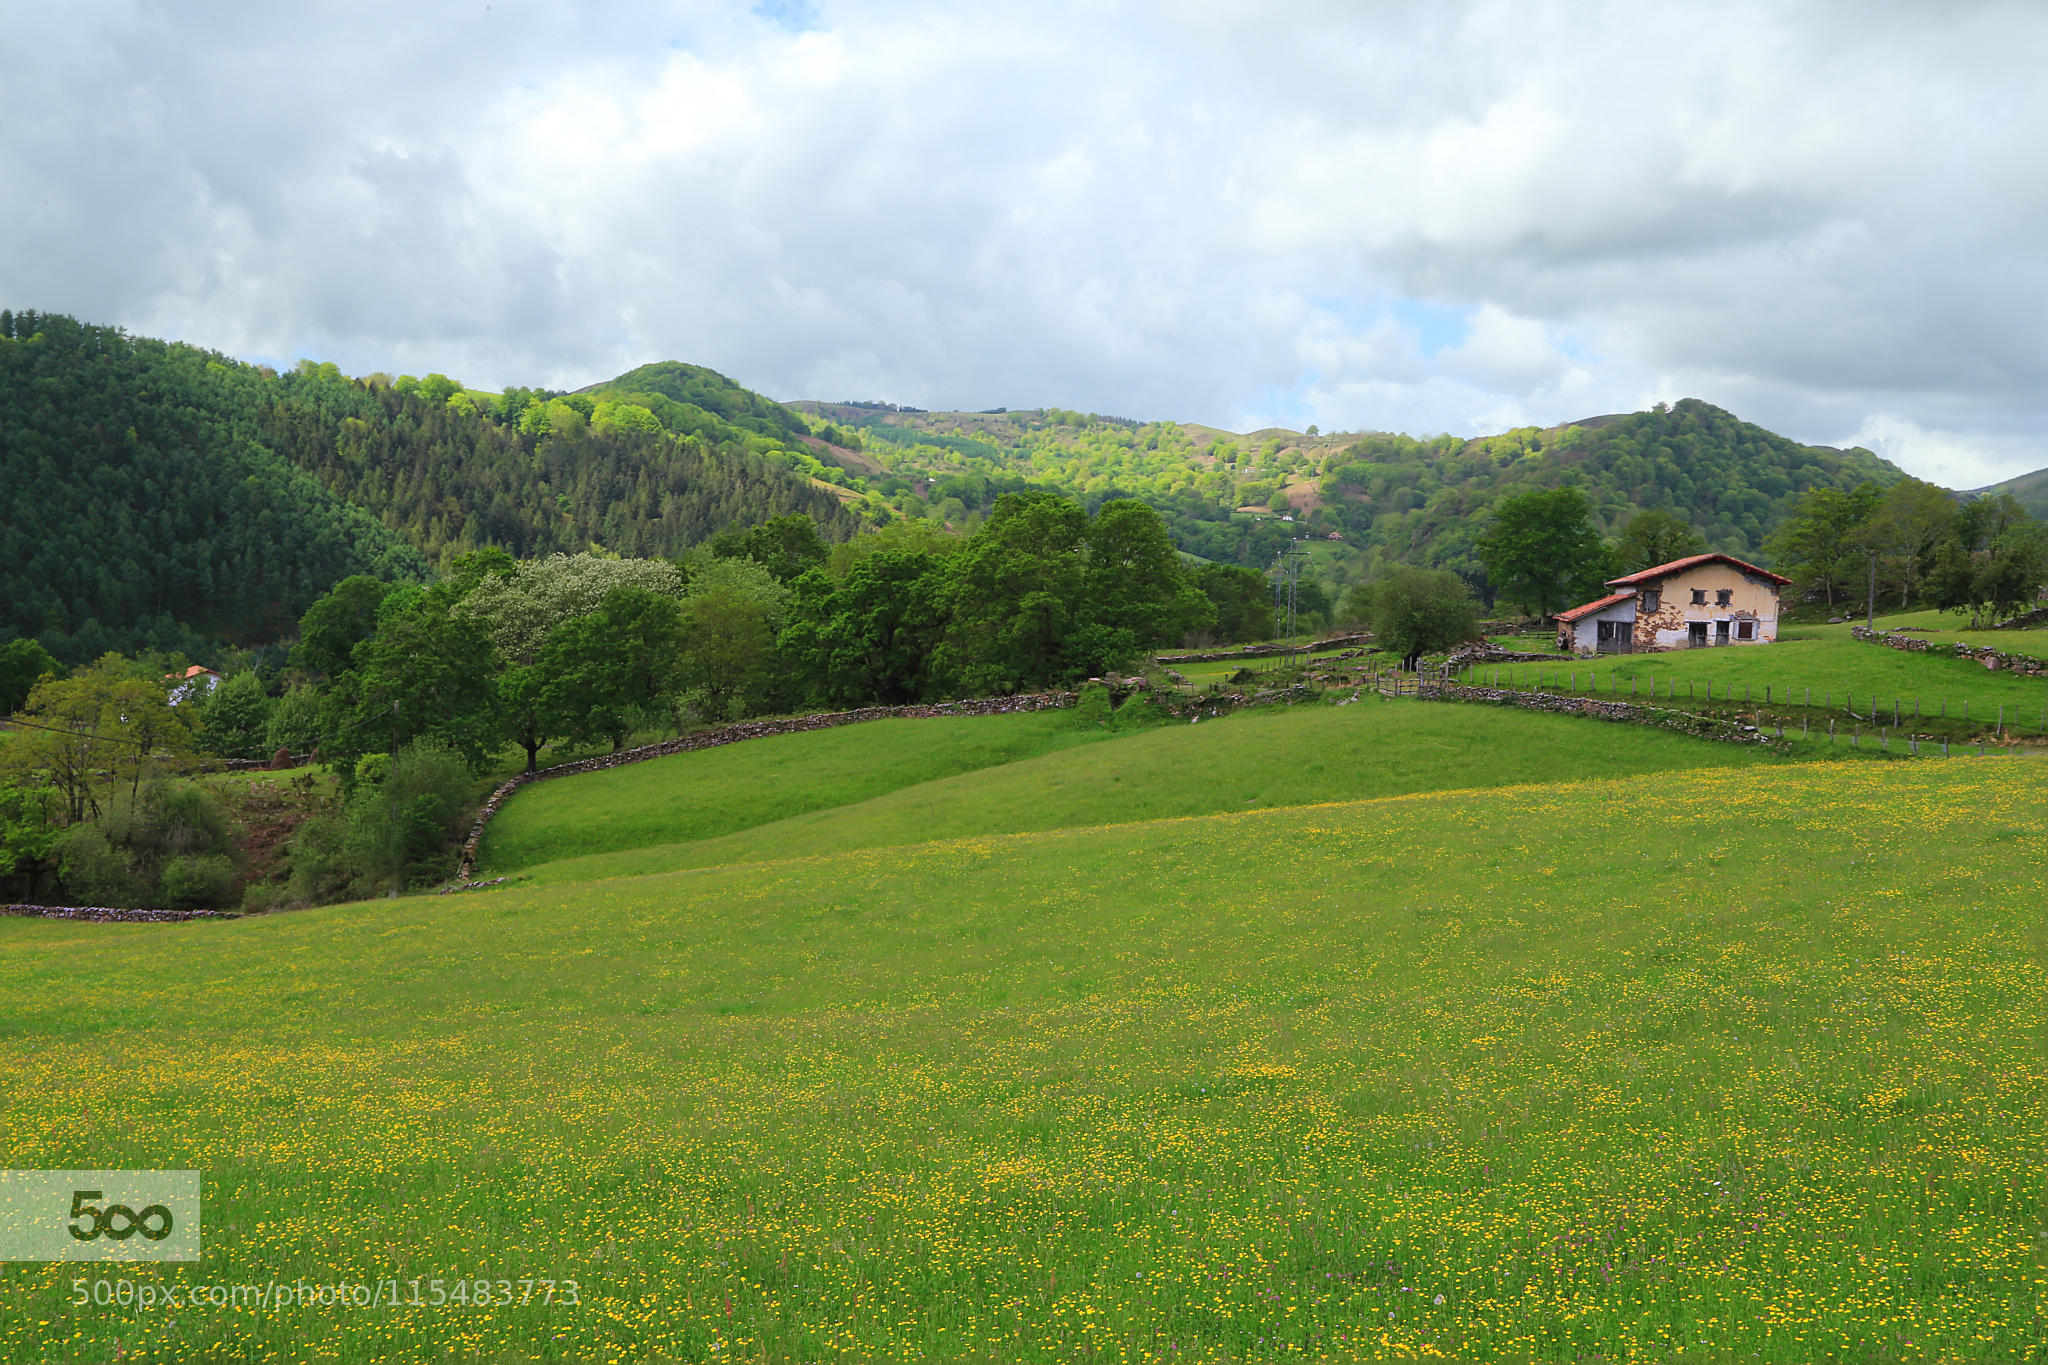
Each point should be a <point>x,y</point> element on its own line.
<point>1824,217</point>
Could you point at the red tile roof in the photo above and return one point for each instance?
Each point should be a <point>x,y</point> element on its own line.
<point>1587,610</point>
<point>1665,570</point>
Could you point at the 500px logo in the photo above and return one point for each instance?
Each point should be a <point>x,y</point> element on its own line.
<point>99,1215</point>
<point>100,1222</point>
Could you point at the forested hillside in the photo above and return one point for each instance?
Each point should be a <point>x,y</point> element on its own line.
<point>139,502</point>
<point>156,493</point>
<point>159,496</point>
<point>534,473</point>
<point>1366,498</point>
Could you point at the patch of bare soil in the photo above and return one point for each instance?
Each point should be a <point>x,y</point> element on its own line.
<point>266,813</point>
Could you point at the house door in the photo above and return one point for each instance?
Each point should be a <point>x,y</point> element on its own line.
<point>1695,634</point>
<point>1720,632</point>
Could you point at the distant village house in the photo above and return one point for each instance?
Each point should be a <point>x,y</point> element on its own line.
<point>196,679</point>
<point>1692,603</point>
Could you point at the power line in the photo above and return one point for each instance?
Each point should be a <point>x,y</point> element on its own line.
<point>96,739</point>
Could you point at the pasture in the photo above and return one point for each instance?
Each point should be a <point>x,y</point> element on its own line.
<point>1704,1062</point>
<point>1946,627</point>
<point>1821,664</point>
<point>903,782</point>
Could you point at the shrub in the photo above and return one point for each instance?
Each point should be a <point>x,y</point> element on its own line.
<point>94,871</point>
<point>1094,709</point>
<point>234,717</point>
<point>196,881</point>
<point>402,819</point>
<point>294,722</point>
<point>1141,710</point>
<point>319,868</point>
<point>168,819</point>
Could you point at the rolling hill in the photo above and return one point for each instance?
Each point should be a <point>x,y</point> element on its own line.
<point>1479,1074</point>
<point>2031,491</point>
<point>928,779</point>
<point>1364,498</point>
<point>158,495</point>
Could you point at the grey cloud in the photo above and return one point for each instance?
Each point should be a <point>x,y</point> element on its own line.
<point>1821,216</point>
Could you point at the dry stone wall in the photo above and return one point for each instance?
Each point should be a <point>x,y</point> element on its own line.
<point>1215,656</point>
<point>107,914</point>
<point>2026,665</point>
<point>1486,652</point>
<point>1658,717</point>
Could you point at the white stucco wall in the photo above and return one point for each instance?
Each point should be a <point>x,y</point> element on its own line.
<point>1669,627</point>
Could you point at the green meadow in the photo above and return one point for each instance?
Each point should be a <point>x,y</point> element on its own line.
<point>1823,663</point>
<point>1947,627</point>
<point>1493,1036</point>
<point>867,785</point>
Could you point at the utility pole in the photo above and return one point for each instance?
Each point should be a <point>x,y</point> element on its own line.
<point>1870,602</point>
<point>1287,587</point>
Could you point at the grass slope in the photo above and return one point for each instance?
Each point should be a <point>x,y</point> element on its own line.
<point>729,805</point>
<point>1947,627</point>
<point>1826,660</point>
<point>716,791</point>
<point>1741,1063</point>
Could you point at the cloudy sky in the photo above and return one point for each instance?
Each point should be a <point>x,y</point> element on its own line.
<point>1828,218</point>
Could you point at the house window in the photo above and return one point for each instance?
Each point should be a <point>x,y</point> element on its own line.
<point>1699,597</point>
<point>1723,596</point>
<point>1745,630</point>
<point>1650,596</point>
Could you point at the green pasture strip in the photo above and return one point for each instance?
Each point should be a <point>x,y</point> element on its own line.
<point>1946,628</point>
<point>1823,664</point>
<point>1284,756</point>
<point>710,792</point>
<point>1732,1064</point>
<point>1218,670</point>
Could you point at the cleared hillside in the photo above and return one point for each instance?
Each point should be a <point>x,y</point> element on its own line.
<point>1600,1069</point>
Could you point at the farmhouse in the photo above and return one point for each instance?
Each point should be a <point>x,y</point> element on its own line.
<point>1692,603</point>
<point>198,678</point>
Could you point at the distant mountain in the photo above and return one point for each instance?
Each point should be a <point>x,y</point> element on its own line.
<point>1361,498</point>
<point>153,494</point>
<point>2030,490</point>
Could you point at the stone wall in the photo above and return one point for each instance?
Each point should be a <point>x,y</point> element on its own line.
<point>107,914</point>
<point>2024,664</point>
<point>1658,717</point>
<point>1269,651</point>
<point>1486,652</point>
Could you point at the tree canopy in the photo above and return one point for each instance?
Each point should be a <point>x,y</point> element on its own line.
<point>1541,548</point>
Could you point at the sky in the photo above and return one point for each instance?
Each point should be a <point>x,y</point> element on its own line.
<point>1825,217</point>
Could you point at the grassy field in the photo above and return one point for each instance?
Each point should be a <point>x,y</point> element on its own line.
<point>1736,1063</point>
<point>881,784</point>
<point>1823,662</point>
<point>1945,627</point>
<point>716,791</point>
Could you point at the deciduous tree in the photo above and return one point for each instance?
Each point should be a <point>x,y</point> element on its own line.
<point>1541,548</point>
